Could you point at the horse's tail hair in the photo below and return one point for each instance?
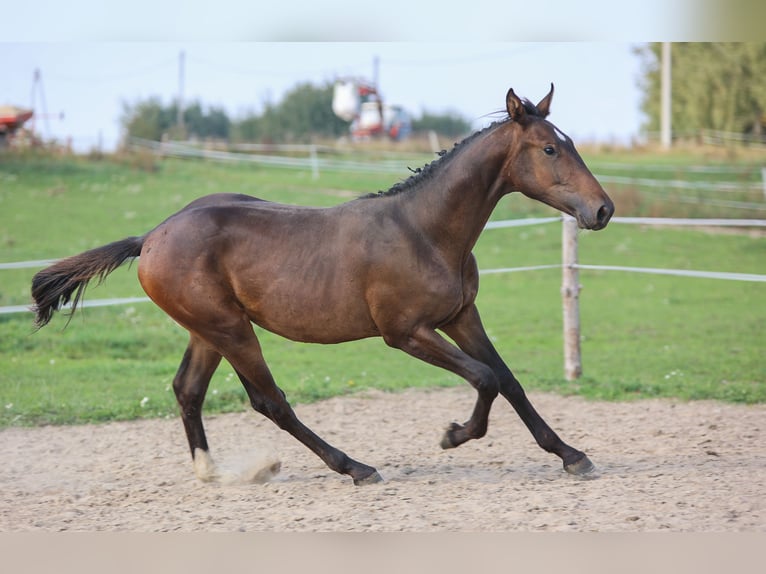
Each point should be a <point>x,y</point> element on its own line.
<point>54,286</point>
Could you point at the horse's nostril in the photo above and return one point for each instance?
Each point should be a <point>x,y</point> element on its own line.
<point>603,215</point>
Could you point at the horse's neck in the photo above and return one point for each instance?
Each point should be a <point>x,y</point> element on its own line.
<point>455,203</point>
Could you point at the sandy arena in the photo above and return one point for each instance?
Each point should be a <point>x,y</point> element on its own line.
<point>662,466</point>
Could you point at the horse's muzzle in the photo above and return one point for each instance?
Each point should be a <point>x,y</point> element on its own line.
<point>599,219</point>
<point>603,215</point>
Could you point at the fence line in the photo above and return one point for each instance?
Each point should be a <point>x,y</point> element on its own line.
<point>627,166</point>
<point>85,303</point>
<point>716,138</point>
<point>679,272</point>
<point>513,269</point>
<point>314,163</point>
<point>28,264</point>
<point>701,222</point>
<point>521,222</point>
<point>710,201</point>
<point>727,186</point>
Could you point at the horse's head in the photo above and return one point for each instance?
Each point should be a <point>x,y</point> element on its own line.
<point>547,167</point>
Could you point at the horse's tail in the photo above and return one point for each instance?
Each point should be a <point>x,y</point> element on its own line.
<point>53,286</point>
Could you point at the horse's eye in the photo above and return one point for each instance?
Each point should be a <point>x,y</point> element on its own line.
<point>549,150</point>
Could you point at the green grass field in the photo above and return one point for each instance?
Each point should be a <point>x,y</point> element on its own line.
<point>643,335</point>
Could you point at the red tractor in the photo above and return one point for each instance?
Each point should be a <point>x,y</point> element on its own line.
<point>11,119</point>
<point>360,103</point>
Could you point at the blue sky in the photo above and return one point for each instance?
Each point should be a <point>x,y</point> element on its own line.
<point>94,55</point>
<point>353,20</point>
<point>597,96</point>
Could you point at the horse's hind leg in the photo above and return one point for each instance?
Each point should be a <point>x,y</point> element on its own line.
<point>190,385</point>
<point>243,351</point>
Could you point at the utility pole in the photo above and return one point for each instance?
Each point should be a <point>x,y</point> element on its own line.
<point>180,115</point>
<point>37,88</point>
<point>376,87</point>
<point>665,98</point>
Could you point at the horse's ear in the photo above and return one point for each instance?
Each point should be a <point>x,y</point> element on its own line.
<point>544,107</point>
<point>514,106</point>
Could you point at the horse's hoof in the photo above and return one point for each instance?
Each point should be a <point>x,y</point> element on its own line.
<point>203,466</point>
<point>373,478</point>
<point>582,467</point>
<point>447,440</point>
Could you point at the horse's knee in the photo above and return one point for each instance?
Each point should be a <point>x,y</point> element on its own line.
<point>189,399</point>
<point>486,383</point>
<point>259,405</point>
<point>487,388</point>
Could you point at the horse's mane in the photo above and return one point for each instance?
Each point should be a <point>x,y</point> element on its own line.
<point>422,174</point>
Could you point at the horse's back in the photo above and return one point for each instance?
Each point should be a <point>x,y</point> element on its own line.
<point>223,199</point>
<point>273,261</point>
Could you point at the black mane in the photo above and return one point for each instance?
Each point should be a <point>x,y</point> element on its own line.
<point>422,174</point>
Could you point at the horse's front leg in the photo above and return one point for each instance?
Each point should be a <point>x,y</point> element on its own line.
<point>468,332</point>
<point>426,344</point>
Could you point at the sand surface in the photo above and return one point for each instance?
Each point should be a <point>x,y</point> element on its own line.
<point>662,466</point>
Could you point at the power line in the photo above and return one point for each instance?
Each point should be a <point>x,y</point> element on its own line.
<point>225,66</point>
<point>103,76</point>
<point>467,59</point>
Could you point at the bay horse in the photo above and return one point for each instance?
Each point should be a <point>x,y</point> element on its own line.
<point>395,264</point>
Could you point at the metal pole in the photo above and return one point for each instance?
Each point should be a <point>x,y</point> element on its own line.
<point>180,113</point>
<point>570,294</point>
<point>665,98</point>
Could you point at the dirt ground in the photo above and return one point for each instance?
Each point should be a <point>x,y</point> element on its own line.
<point>662,466</point>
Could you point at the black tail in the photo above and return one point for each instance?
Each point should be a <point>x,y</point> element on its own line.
<point>53,287</point>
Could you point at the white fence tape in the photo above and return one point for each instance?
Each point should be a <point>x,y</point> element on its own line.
<point>93,303</point>
<point>727,186</point>
<point>315,164</point>
<point>679,272</point>
<point>28,264</point>
<point>512,269</point>
<point>691,222</point>
<point>520,222</point>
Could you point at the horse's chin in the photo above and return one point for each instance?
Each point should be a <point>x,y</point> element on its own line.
<point>593,226</point>
<point>590,226</point>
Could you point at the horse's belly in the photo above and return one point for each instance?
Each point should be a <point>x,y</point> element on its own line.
<point>309,311</point>
<point>313,322</point>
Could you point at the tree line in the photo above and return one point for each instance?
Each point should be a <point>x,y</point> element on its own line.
<point>715,86</point>
<point>304,114</point>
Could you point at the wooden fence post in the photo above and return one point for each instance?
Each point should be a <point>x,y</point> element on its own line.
<point>570,293</point>
<point>314,162</point>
